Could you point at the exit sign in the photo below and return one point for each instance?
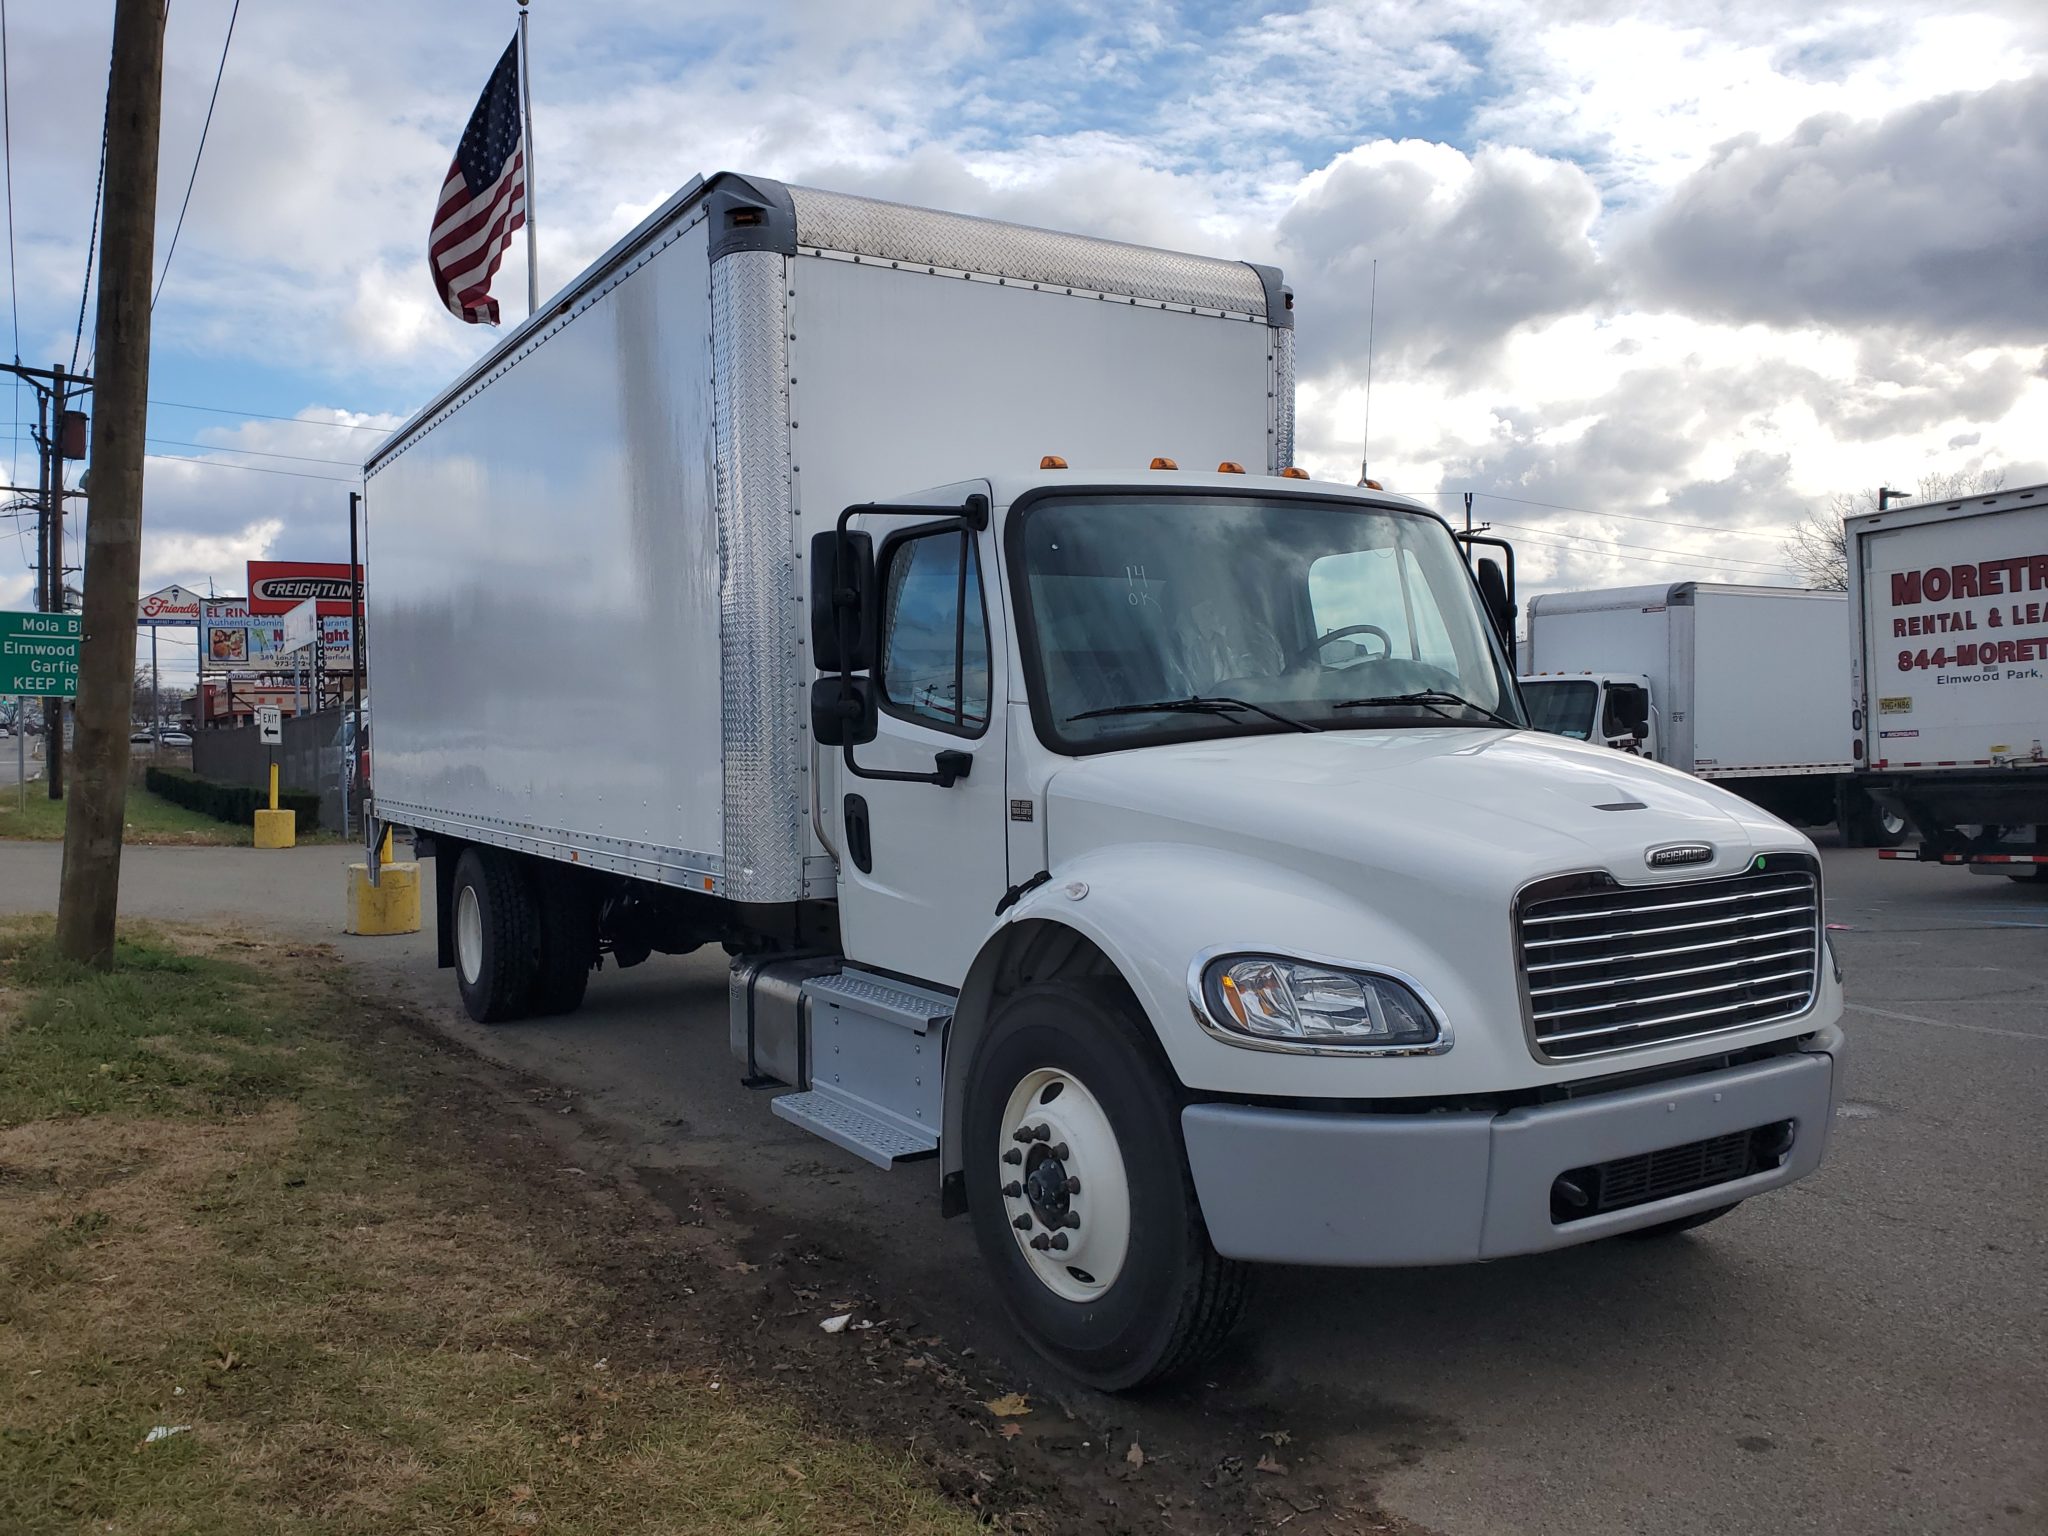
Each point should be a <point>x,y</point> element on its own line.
<point>39,655</point>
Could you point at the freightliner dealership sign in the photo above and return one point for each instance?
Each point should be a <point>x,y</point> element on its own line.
<point>39,654</point>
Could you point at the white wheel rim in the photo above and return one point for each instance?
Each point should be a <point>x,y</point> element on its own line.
<point>1065,1183</point>
<point>469,934</point>
<point>1892,822</point>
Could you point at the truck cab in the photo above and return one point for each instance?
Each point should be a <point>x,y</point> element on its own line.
<point>1611,708</point>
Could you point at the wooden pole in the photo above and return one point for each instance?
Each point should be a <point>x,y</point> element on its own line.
<point>90,892</point>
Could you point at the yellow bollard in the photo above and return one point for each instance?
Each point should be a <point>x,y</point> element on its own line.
<point>275,828</point>
<point>390,906</point>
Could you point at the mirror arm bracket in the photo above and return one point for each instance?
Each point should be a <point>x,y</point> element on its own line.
<point>948,768</point>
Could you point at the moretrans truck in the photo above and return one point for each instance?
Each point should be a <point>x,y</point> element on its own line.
<point>1737,684</point>
<point>1949,602</point>
<point>1145,835</point>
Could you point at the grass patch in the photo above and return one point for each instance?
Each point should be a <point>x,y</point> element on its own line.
<point>223,1215</point>
<point>150,819</point>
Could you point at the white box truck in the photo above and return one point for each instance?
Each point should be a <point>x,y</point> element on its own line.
<point>1159,851</point>
<point>1949,602</point>
<point>1741,685</point>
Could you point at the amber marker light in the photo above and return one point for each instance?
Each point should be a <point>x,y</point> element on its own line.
<point>1230,467</point>
<point>1164,463</point>
<point>1052,461</point>
<point>1291,473</point>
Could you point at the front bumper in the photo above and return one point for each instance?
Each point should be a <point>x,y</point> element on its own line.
<point>1374,1190</point>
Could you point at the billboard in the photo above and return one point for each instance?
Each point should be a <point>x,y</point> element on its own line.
<point>278,586</point>
<point>233,641</point>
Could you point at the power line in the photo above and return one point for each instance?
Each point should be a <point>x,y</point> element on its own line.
<point>1688,561</point>
<point>222,410</point>
<point>254,469</point>
<point>196,155</point>
<point>300,458</point>
<point>1627,517</point>
<point>1762,565</point>
<point>92,239</point>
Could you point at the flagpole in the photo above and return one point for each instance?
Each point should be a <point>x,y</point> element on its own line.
<point>526,111</point>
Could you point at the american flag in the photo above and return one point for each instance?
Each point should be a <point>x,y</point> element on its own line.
<point>483,201</point>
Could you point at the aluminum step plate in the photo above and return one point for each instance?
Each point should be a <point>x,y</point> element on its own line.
<point>884,1143</point>
<point>912,1007</point>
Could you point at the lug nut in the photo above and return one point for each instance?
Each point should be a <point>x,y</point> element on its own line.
<point>1042,1242</point>
<point>1073,1186</point>
<point>1022,1133</point>
<point>1060,1151</point>
<point>1057,1242</point>
<point>1070,1219</point>
<point>1013,1189</point>
<point>1022,1223</point>
<point>1041,1133</point>
<point>1013,1156</point>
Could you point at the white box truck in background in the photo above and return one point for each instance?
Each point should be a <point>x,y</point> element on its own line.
<point>1160,851</point>
<point>1740,685</point>
<point>1949,602</point>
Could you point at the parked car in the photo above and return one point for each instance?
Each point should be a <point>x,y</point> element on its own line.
<point>175,739</point>
<point>140,738</point>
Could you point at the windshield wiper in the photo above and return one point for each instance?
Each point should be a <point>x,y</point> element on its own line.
<point>1195,704</point>
<point>1433,700</point>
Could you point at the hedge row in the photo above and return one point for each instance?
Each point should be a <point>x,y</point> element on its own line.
<point>237,803</point>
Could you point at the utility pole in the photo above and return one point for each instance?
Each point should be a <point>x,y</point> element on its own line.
<point>90,893</point>
<point>59,435</point>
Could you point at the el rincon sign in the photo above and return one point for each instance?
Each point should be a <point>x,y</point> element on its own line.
<point>39,655</point>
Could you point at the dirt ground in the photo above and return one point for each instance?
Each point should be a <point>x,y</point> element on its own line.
<point>705,1277</point>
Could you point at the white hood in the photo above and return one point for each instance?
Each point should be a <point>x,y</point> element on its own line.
<point>1478,811</point>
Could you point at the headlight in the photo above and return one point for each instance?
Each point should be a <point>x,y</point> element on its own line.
<point>1303,1005</point>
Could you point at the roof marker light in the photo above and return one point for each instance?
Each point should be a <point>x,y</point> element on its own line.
<point>1052,461</point>
<point>1291,473</point>
<point>1164,463</point>
<point>1230,467</point>
<point>1372,485</point>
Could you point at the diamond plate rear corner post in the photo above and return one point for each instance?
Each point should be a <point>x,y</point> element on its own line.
<point>758,654</point>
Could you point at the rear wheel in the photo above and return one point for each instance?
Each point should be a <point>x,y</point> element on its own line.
<point>566,947</point>
<point>1863,823</point>
<point>1080,1194</point>
<point>495,923</point>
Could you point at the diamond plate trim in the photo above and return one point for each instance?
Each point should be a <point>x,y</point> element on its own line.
<point>925,237</point>
<point>1283,399</point>
<point>757,641</point>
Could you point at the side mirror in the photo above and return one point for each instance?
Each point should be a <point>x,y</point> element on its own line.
<point>843,712</point>
<point>842,602</point>
<point>1500,608</point>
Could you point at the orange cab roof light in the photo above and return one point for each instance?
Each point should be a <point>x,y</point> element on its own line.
<point>1052,461</point>
<point>1291,473</point>
<point>1372,485</point>
<point>1164,463</point>
<point>1230,467</point>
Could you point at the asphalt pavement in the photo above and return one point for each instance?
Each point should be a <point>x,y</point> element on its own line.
<point>1864,1352</point>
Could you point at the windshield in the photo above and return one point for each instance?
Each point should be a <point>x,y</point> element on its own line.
<point>1268,614</point>
<point>1561,708</point>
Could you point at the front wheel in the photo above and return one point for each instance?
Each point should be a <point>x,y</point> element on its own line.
<point>1080,1194</point>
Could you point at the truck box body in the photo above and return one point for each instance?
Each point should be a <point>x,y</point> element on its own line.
<point>589,550</point>
<point>1950,613</point>
<point>1744,679</point>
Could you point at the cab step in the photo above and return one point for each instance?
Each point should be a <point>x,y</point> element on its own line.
<point>862,1128</point>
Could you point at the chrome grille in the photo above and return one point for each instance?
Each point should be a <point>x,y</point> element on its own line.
<point>1608,967</point>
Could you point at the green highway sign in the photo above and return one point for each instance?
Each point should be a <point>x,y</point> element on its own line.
<point>39,654</point>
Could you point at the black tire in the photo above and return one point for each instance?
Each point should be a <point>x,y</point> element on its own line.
<point>1681,1224</point>
<point>566,948</point>
<point>1861,821</point>
<point>1174,1300</point>
<point>497,980</point>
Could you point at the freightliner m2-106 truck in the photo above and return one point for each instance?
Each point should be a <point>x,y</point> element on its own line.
<point>1741,685</point>
<point>1159,851</point>
<point>1949,609</point>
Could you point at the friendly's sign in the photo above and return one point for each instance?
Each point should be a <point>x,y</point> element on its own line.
<point>39,655</point>
<point>173,605</point>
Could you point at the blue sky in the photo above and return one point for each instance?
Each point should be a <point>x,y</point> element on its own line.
<point>1654,278</point>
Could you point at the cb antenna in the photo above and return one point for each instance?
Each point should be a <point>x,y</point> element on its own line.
<point>1371,327</point>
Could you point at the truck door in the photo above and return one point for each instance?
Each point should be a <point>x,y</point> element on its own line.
<point>921,866</point>
<point>1625,719</point>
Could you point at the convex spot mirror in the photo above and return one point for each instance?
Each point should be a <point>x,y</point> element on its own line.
<point>843,603</point>
<point>843,711</point>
